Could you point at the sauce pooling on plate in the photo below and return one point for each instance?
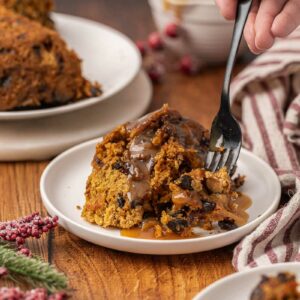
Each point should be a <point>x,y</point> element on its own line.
<point>146,231</point>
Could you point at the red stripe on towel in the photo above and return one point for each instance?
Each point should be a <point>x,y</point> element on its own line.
<point>270,228</point>
<point>263,131</point>
<point>290,125</point>
<point>287,237</point>
<point>295,106</point>
<point>285,51</point>
<point>279,122</point>
<point>265,63</point>
<point>270,253</point>
<point>236,257</point>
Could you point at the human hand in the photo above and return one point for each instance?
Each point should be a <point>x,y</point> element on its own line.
<point>267,20</point>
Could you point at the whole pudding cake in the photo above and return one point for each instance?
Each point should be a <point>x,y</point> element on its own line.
<point>149,174</point>
<point>280,287</point>
<point>37,69</point>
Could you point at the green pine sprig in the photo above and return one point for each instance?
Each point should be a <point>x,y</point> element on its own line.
<point>31,270</point>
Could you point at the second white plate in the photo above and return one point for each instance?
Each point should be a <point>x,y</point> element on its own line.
<point>63,184</point>
<point>108,57</point>
<point>46,137</point>
<point>239,286</point>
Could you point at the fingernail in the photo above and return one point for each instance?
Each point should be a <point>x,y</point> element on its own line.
<point>262,43</point>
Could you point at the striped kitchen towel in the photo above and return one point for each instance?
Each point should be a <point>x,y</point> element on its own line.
<point>266,101</point>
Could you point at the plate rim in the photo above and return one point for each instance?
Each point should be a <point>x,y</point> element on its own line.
<point>46,201</point>
<point>66,108</point>
<point>235,275</point>
<point>139,103</point>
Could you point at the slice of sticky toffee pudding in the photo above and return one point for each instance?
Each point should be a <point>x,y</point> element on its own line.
<point>149,174</point>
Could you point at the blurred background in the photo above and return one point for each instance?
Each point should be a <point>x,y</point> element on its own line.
<point>203,35</point>
<point>132,17</point>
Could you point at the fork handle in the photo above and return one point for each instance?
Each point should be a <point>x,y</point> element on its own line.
<point>243,9</point>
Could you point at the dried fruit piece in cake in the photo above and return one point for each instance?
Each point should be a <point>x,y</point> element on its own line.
<point>149,173</point>
<point>280,287</point>
<point>36,67</point>
<point>37,10</point>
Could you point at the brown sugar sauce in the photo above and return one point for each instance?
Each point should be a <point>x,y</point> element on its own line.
<point>139,233</point>
<point>238,206</point>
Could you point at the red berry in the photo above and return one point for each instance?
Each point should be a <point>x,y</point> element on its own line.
<point>155,73</point>
<point>172,30</point>
<point>30,226</point>
<point>45,229</point>
<point>142,47</point>
<point>188,65</point>
<point>154,41</point>
<point>20,240</point>
<point>25,251</point>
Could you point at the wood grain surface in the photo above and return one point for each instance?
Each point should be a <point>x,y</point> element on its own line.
<point>95,272</point>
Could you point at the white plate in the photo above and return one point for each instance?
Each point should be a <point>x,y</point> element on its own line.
<point>44,138</point>
<point>240,285</point>
<point>63,184</point>
<point>109,57</point>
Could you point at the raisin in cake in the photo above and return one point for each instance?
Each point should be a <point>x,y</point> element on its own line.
<point>37,10</point>
<point>152,169</point>
<point>36,67</point>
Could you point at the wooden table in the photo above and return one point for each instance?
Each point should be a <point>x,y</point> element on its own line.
<point>95,272</point>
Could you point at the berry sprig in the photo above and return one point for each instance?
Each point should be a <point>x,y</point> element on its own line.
<point>30,270</point>
<point>152,53</point>
<point>20,266</point>
<point>17,231</point>
<point>35,294</point>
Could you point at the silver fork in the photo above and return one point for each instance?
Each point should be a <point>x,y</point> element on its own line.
<point>226,135</point>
